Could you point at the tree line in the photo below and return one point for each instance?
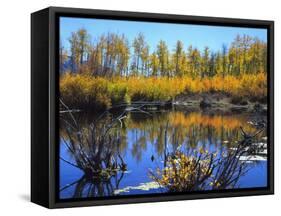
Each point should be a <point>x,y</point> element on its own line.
<point>113,54</point>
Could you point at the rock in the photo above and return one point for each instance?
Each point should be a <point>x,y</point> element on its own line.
<point>262,152</point>
<point>239,101</point>
<point>260,108</point>
<point>264,110</point>
<point>239,109</point>
<point>257,107</point>
<point>205,103</point>
<point>243,103</point>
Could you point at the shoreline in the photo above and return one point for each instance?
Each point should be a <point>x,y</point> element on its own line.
<point>220,102</point>
<point>206,102</point>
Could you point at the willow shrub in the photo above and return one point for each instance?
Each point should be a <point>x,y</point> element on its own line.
<point>100,92</point>
<point>85,91</point>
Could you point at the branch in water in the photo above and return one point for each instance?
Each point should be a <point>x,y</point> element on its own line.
<point>72,164</point>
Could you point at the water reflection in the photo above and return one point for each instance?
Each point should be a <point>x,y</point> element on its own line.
<point>114,154</point>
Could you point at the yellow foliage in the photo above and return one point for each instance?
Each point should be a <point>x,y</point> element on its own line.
<point>184,173</point>
<point>83,90</point>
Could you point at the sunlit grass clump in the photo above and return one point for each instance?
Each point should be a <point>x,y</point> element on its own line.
<point>201,170</point>
<point>186,173</point>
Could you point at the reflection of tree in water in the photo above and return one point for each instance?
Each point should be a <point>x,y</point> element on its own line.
<point>95,187</point>
<point>97,146</point>
<point>95,150</point>
<point>186,130</point>
<point>139,144</point>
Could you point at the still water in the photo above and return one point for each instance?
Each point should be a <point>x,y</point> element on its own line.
<point>144,140</point>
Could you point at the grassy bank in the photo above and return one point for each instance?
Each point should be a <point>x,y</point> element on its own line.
<point>80,91</point>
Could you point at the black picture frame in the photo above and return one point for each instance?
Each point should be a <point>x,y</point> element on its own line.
<point>44,104</point>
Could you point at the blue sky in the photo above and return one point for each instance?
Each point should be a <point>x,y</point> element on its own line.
<point>198,36</point>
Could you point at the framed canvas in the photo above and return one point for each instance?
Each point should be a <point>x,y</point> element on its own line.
<point>138,107</point>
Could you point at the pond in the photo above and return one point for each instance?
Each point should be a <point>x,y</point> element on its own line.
<point>144,141</point>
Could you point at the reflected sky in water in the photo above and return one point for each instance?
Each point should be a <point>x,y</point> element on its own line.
<point>143,149</point>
